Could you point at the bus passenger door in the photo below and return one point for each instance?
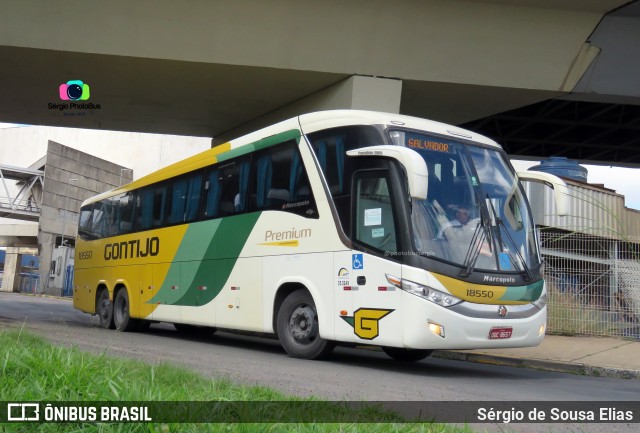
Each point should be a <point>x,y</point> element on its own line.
<point>376,302</point>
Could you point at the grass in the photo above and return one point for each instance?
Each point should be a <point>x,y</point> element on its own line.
<point>33,370</point>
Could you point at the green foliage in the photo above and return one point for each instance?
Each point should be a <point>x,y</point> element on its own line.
<point>33,370</point>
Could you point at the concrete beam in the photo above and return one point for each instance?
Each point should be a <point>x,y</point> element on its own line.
<point>204,68</point>
<point>511,43</point>
<point>357,92</point>
<point>15,235</point>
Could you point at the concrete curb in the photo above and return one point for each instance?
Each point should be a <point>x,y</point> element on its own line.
<point>538,364</point>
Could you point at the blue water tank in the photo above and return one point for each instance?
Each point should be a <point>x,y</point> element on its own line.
<point>561,166</point>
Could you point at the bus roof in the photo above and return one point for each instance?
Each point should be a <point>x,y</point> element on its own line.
<point>310,122</point>
<point>330,119</point>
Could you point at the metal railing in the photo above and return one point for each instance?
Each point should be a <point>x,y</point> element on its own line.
<point>593,284</point>
<point>25,205</point>
<point>29,283</point>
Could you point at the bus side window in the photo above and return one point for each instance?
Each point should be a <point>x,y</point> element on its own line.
<point>112,220</point>
<point>212,193</point>
<point>84,226</point>
<point>144,215</point>
<point>126,207</point>
<point>280,182</point>
<point>331,156</point>
<point>101,217</point>
<point>184,197</point>
<point>234,185</point>
<point>159,204</point>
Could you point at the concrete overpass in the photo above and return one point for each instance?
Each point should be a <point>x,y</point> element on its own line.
<point>19,235</point>
<point>218,68</point>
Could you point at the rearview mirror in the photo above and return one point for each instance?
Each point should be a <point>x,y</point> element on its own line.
<point>414,165</point>
<point>560,189</point>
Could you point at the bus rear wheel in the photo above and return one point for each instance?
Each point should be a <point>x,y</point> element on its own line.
<point>298,328</point>
<point>121,317</point>
<point>104,310</point>
<point>406,355</point>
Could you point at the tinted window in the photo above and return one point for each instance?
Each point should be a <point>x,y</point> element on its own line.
<point>280,182</point>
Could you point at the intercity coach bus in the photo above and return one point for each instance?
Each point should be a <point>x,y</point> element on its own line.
<point>332,227</point>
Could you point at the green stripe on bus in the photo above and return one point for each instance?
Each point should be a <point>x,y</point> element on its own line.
<point>530,292</point>
<point>195,243</point>
<point>219,243</point>
<point>292,134</point>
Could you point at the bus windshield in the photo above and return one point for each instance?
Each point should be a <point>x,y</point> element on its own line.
<point>475,215</point>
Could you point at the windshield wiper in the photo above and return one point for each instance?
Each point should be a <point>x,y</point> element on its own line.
<point>501,223</point>
<point>481,233</point>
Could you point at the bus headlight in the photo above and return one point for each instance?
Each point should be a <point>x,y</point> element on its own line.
<point>541,301</point>
<point>428,293</point>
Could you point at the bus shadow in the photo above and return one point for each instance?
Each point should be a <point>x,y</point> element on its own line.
<point>370,358</point>
<point>431,367</point>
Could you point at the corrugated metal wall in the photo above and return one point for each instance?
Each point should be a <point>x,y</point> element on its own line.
<point>592,260</point>
<point>593,210</point>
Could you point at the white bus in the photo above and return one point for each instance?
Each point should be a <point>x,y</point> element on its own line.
<point>348,227</point>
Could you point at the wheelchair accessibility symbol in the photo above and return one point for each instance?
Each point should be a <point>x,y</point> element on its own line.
<point>357,261</point>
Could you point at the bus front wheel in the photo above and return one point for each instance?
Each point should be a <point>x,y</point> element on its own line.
<point>121,317</point>
<point>298,328</point>
<point>406,355</point>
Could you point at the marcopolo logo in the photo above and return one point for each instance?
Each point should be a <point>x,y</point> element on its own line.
<point>74,90</point>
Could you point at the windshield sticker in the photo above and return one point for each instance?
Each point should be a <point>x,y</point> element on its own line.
<point>365,322</point>
<point>377,233</point>
<point>474,181</point>
<point>373,217</point>
<point>505,263</point>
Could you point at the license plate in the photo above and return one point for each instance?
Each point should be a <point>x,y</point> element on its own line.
<point>500,333</point>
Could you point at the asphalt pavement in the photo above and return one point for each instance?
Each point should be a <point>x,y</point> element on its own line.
<point>592,356</point>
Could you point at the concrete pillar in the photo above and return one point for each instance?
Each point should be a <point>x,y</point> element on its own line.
<point>12,267</point>
<point>356,92</point>
<point>45,251</point>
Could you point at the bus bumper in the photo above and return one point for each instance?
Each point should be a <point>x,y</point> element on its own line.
<point>429,326</point>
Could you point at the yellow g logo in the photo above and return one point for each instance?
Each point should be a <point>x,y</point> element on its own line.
<point>365,321</point>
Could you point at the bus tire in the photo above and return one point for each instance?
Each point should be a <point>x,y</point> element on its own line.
<point>406,355</point>
<point>298,328</point>
<point>104,310</point>
<point>121,317</point>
